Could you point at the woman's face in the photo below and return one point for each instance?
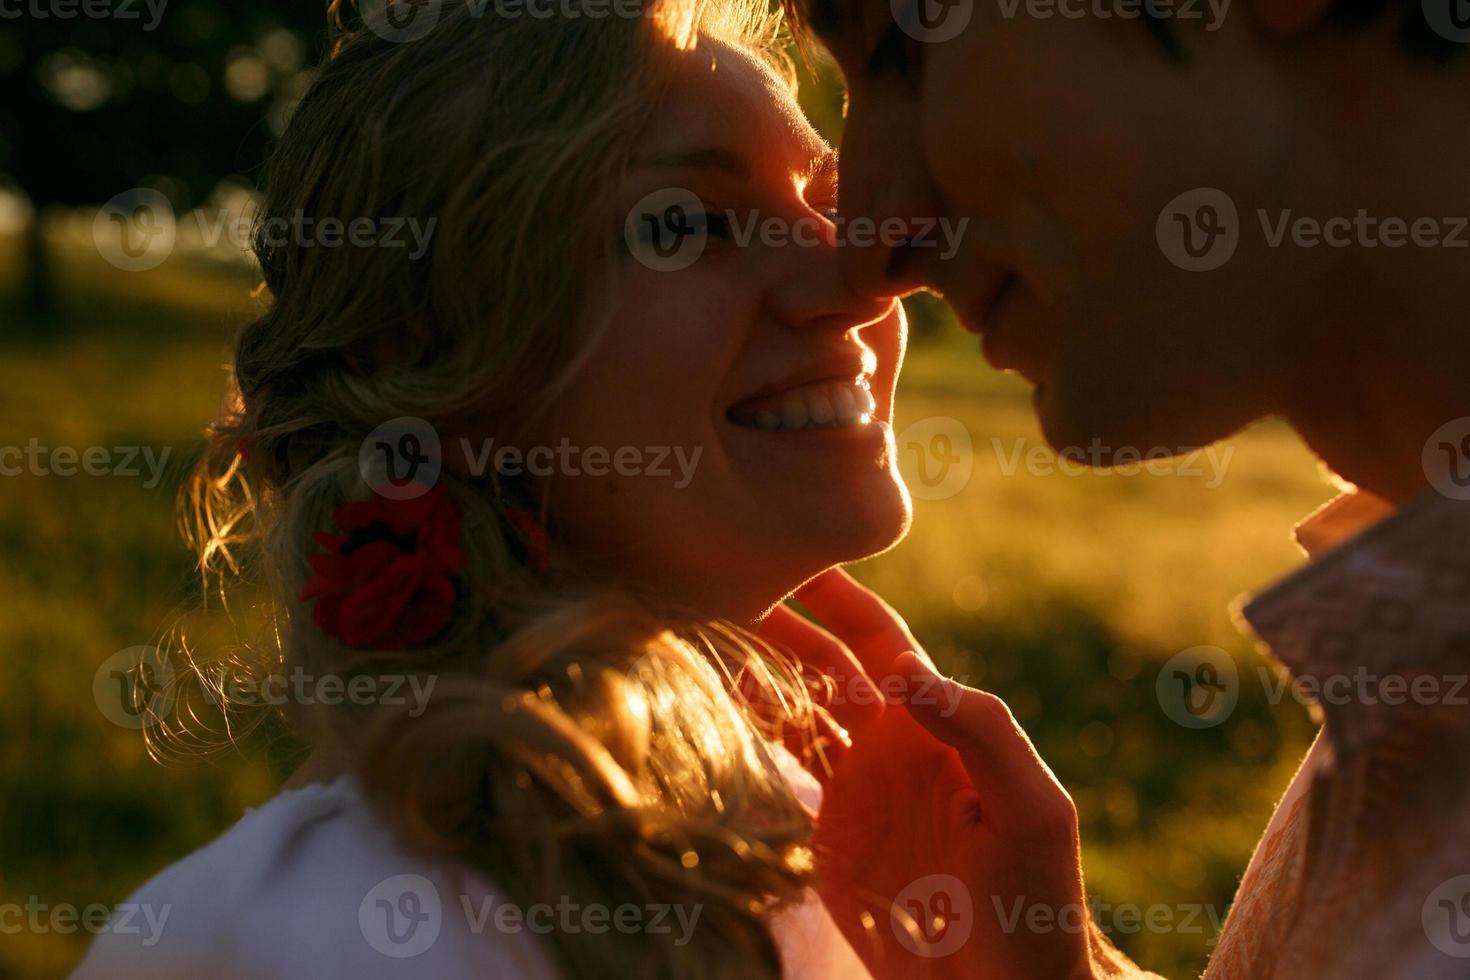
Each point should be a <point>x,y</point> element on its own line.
<point>738,407</point>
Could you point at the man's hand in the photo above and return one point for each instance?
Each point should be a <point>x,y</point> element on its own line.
<point>941,828</point>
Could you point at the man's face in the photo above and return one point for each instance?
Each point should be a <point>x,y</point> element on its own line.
<point>1061,141</point>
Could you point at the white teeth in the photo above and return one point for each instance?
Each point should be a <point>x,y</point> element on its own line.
<point>793,412</point>
<point>825,405</point>
<point>845,403</point>
<point>820,408</point>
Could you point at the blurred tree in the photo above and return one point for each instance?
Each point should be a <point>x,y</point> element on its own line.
<point>102,96</point>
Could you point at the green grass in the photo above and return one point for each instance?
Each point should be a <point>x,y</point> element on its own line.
<point>1062,593</point>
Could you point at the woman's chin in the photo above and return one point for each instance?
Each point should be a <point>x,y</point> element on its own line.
<point>857,529</point>
<point>768,553</point>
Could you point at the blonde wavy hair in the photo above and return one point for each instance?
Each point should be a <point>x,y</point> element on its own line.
<point>579,741</point>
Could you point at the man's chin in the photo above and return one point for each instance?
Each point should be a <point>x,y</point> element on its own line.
<point>1067,430</point>
<point>1098,436</point>
<point>1058,429</point>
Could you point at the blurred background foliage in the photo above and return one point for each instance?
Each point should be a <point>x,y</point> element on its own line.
<point>1062,593</point>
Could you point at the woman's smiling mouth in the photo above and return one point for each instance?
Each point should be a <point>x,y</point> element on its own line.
<point>832,403</point>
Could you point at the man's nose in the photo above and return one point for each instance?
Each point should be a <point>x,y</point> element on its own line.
<point>886,203</point>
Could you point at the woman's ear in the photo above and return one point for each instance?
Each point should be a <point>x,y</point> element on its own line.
<point>1288,19</point>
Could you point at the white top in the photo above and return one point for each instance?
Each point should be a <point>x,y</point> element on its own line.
<point>312,886</point>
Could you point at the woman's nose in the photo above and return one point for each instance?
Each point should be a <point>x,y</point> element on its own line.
<point>811,291</point>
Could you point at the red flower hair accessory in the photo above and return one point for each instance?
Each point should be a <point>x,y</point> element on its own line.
<point>387,581</point>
